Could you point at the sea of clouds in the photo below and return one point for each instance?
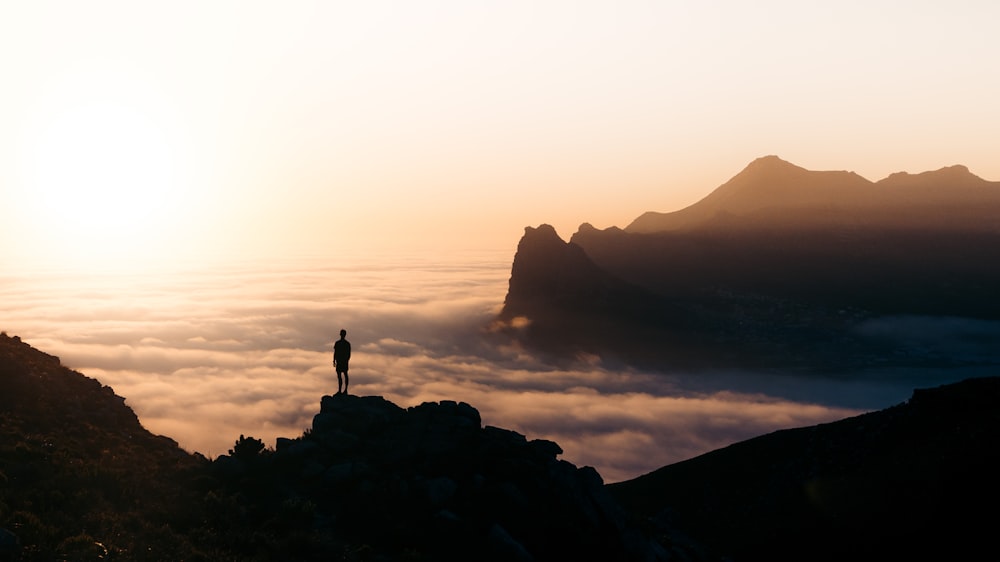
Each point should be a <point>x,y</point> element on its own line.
<point>204,354</point>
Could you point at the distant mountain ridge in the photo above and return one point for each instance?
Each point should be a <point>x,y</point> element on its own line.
<point>773,193</point>
<point>778,267</point>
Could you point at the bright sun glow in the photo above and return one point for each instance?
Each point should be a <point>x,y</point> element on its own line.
<point>103,169</point>
<point>101,181</point>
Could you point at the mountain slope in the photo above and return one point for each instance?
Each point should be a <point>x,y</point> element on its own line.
<point>913,481</point>
<point>79,476</point>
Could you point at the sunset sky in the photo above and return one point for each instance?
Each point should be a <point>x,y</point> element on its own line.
<point>252,134</point>
<point>132,131</point>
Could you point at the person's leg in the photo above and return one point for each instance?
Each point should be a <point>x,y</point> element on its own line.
<point>340,382</point>
<point>347,381</point>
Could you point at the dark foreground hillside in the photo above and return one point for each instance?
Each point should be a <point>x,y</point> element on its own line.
<point>916,481</point>
<point>80,479</point>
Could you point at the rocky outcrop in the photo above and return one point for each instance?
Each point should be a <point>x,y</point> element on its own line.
<point>431,481</point>
<point>561,303</point>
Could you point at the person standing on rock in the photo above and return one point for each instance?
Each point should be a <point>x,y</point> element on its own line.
<point>341,357</point>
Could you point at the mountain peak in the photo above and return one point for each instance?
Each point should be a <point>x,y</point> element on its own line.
<point>544,232</point>
<point>771,162</point>
<point>951,176</point>
<point>773,169</point>
<point>766,192</point>
<point>768,170</point>
<point>541,261</point>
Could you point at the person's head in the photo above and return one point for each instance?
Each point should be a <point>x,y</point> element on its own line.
<point>343,333</point>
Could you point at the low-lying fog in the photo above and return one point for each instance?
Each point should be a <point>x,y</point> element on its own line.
<point>205,354</point>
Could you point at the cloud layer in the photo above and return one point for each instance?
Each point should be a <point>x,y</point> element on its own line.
<point>206,354</point>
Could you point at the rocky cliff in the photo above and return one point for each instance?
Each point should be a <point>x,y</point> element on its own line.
<point>430,482</point>
<point>561,303</point>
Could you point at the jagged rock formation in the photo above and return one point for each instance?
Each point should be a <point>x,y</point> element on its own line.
<point>560,301</point>
<point>914,481</point>
<point>778,268</point>
<point>430,482</point>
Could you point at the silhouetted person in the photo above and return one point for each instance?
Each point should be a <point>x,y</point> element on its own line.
<point>341,357</point>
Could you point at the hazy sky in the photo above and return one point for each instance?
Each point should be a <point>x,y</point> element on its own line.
<point>131,130</point>
<point>139,132</point>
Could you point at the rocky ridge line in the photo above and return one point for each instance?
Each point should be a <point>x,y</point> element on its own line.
<point>431,479</point>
